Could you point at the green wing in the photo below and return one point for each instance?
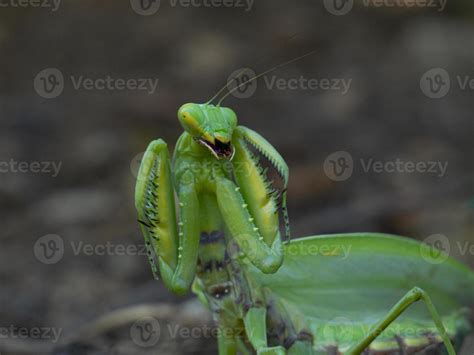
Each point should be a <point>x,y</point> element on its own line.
<point>337,286</point>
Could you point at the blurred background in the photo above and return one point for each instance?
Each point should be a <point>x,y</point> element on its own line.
<point>376,128</point>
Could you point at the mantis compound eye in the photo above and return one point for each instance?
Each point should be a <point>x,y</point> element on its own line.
<point>188,120</point>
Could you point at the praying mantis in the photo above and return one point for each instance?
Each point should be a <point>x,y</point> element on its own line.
<point>268,296</point>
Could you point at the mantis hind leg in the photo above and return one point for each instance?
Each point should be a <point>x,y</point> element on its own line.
<point>256,329</point>
<point>414,295</point>
<point>227,345</point>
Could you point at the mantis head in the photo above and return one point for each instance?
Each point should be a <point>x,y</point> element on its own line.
<point>211,126</point>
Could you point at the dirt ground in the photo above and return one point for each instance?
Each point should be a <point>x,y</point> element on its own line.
<point>69,162</point>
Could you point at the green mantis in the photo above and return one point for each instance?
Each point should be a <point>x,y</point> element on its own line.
<point>270,297</point>
<point>209,199</point>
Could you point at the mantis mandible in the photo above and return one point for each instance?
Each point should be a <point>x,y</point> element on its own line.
<point>269,297</point>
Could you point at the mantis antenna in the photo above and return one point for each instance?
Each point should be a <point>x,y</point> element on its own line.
<point>239,74</point>
<point>261,74</point>
<point>225,86</point>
